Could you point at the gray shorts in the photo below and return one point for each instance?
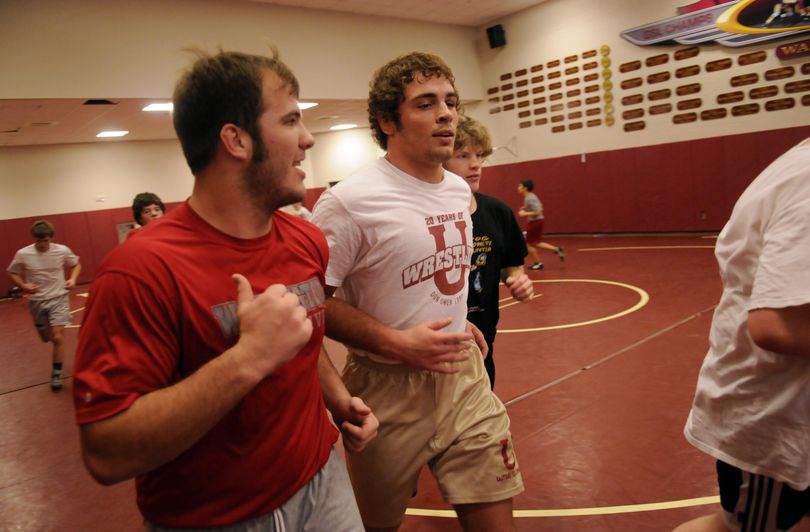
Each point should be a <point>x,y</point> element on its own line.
<point>51,312</point>
<point>325,503</point>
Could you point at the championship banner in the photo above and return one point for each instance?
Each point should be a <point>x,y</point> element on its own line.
<point>727,22</point>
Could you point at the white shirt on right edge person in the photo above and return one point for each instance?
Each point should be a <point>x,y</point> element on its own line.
<point>752,406</point>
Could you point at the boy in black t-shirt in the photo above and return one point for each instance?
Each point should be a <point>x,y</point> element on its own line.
<point>499,248</point>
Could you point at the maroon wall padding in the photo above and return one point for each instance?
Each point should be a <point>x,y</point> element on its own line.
<point>681,186</point>
<point>312,196</point>
<point>91,235</point>
<point>648,189</point>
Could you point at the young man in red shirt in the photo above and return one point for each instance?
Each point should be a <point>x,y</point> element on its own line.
<point>200,369</point>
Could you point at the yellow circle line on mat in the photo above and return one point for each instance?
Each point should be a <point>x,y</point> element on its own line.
<point>571,512</point>
<point>623,248</point>
<point>643,299</point>
<point>515,302</point>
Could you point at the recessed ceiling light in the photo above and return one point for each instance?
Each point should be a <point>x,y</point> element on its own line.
<point>343,126</point>
<point>159,107</point>
<point>105,134</point>
<point>306,105</point>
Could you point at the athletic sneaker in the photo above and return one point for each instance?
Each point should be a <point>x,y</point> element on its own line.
<point>56,382</point>
<point>560,253</point>
<point>536,266</point>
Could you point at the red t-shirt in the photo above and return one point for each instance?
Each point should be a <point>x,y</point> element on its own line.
<point>161,306</point>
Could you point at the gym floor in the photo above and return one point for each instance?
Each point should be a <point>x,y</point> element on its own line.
<point>597,372</point>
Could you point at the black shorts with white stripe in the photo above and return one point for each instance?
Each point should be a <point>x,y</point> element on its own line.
<point>756,503</point>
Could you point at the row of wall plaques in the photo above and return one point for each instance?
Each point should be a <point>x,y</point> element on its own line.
<point>768,90</point>
<point>561,94</point>
<point>578,91</point>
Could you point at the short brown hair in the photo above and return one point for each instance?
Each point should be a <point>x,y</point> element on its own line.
<point>42,229</point>
<point>387,87</point>
<point>225,88</point>
<point>471,133</point>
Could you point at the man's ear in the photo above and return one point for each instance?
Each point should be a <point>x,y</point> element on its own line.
<point>389,127</point>
<point>236,141</point>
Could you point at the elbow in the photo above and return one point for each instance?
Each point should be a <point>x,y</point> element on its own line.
<point>101,470</point>
<point>102,466</point>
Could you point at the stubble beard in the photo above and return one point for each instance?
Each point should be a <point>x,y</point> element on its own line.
<point>262,183</point>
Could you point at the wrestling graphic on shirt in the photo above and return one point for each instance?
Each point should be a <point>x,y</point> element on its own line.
<point>310,294</point>
<point>448,266</point>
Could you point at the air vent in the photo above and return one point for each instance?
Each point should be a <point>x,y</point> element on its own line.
<point>99,102</point>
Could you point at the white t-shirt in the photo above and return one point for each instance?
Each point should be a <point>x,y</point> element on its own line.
<point>399,247</point>
<point>301,212</point>
<point>44,269</point>
<point>752,407</point>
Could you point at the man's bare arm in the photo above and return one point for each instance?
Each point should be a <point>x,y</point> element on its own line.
<point>162,424</point>
<point>19,281</point>
<point>74,275</point>
<point>423,346</point>
<point>518,283</point>
<point>783,330</point>
<point>356,421</point>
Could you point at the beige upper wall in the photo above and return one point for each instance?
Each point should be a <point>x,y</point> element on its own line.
<point>44,180</point>
<point>104,49</point>
<point>337,155</point>
<point>338,56</point>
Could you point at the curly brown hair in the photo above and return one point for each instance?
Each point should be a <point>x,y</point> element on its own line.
<point>387,87</point>
<point>220,89</point>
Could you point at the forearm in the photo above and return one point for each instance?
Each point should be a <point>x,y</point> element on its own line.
<point>16,279</point>
<point>162,424</point>
<point>421,346</point>
<point>510,271</point>
<point>355,328</point>
<point>335,394</point>
<point>75,271</point>
<point>785,330</point>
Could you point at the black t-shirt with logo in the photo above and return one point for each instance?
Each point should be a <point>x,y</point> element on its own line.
<point>497,243</point>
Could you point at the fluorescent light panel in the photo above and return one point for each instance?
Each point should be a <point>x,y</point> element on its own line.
<point>107,134</point>
<point>340,127</point>
<point>159,107</point>
<point>168,106</point>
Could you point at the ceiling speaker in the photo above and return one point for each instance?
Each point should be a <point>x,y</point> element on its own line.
<point>496,36</point>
